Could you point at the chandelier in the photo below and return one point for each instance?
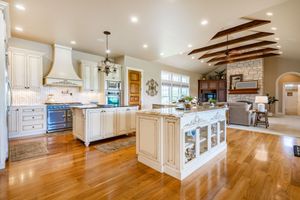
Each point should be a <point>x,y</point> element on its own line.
<point>107,66</point>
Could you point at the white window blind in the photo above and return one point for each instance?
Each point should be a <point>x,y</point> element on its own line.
<point>173,86</point>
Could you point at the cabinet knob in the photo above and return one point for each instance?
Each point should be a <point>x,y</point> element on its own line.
<point>32,110</point>
<point>32,117</point>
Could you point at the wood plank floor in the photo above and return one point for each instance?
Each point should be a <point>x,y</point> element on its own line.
<point>255,166</point>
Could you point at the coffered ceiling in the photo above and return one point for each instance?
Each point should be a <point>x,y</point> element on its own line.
<point>168,27</point>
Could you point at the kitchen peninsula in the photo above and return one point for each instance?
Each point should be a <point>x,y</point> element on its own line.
<point>93,123</point>
<point>179,142</point>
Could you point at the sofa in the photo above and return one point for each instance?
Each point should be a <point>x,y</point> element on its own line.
<point>240,113</point>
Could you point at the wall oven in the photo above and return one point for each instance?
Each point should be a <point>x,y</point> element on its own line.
<point>113,85</point>
<point>113,97</point>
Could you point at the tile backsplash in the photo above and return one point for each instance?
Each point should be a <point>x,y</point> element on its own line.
<point>60,95</point>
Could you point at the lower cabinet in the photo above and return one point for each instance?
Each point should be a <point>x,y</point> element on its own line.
<point>103,123</point>
<point>26,121</point>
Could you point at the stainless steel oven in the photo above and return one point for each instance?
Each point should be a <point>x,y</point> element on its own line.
<point>113,97</point>
<point>113,85</point>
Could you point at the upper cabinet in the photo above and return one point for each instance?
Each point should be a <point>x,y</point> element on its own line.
<point>90,76</point>
<point>117,76</point>
<point>25,69</point>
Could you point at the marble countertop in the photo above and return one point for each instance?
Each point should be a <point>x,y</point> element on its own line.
<point>173,112</point>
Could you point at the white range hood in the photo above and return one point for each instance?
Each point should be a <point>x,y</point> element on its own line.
<point>62,72</point>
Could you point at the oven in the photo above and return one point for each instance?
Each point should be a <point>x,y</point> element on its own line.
<point>59,117</point>
<point>113,85</point>
<point>113,98</point>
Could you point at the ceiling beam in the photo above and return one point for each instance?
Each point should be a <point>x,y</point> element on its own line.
<point>259,51</point>
<point>247,58</point>
<point>242,27</point>
<point>230,42</point>
<point>244,47</point>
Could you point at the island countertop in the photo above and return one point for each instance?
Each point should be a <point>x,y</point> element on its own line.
<point>94,106</point>
<point>173,112</point>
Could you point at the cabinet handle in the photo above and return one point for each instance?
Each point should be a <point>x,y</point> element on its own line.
<point>32,117</point>
<point>32,110</point>
<point>32,126</point>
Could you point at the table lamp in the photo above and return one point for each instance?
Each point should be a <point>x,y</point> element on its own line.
<point>261,101</point>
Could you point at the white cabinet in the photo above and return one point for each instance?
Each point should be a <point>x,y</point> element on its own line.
<point>13,120</point>
<point>99,123</point>
<point>26,121</point>
<point>126,119</point>
<point>115,76</point>
<point>25,68</point>
<point>90,76</point>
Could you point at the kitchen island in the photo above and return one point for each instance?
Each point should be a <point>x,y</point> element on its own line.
<point>93,123</point>
<point>179,142</point>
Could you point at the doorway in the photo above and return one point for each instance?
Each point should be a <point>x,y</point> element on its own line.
<point>291,98</point>
<point>134,85</point>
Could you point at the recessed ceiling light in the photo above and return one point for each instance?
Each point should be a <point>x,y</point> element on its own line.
<point>19,29</point>
<point>277,38</point>
<point>134,19</point>
<point>145,46</point>
<point>204,22</point>
<point>269,14</point>
<point>162,54</point>
<point>73,42</point>
<point>107,51</point>
<point>274,28</point>
<point>193,57</point>
<point>280,52</point>
<point>190,46</point>
<point>278,46</point>
<point>202,61</point>
<point>209,64</point>
<point>20,7</point>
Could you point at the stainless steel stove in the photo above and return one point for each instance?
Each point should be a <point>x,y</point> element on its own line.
<point>59,116</point>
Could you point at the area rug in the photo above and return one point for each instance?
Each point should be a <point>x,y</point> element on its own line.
<point>116,145</point>
<point>27,150</point>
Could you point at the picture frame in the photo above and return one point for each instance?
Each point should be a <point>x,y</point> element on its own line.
<point>234,79</point>
<point>249,84</point>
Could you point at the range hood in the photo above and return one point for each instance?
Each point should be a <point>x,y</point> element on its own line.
<point>62,72</point>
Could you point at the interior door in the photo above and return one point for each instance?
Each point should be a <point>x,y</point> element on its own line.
<point>134,88</point>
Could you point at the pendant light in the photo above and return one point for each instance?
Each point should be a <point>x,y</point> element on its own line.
<point>107,66</point>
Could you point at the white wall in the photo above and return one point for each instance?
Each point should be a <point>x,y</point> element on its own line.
<point>153,70</point>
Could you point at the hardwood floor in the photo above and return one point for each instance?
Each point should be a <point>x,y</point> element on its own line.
<point>256,166</point>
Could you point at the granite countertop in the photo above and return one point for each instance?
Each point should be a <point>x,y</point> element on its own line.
<point>94,106</point>
<point>173,112</point>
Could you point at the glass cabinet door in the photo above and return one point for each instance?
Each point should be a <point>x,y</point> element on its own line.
<point>214,135</point>
<point>190,145</point>
<point>222,131</point>
<point>203,139</point>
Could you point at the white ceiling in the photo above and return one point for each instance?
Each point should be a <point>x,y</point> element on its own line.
<point>165,25</point>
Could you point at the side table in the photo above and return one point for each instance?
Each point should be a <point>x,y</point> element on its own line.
<point>261,118</point>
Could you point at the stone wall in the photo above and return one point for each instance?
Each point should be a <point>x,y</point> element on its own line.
<point>251,70</point>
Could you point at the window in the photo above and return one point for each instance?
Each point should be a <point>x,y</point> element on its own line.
<point>173,86</point>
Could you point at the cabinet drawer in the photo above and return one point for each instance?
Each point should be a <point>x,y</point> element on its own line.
<point>32,127</point>
<point>32,110</point>
<point>27,118</point>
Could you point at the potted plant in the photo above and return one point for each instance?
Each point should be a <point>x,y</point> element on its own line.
<point>187,101</point>
<point>212,102</point>
<point>271,101</point>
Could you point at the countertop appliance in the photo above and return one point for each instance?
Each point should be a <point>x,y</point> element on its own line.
<point>59,116</point>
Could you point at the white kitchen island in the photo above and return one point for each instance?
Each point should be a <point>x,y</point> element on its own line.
<point>95,123</point>
<point>179,142</point>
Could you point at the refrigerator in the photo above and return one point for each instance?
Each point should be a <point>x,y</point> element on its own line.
<point>5,91</point>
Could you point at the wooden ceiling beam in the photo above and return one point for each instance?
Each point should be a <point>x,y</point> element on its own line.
<point>230,42</point>
<point>259,51</point>
<point>242,27</point>
<point>244,47</point>
<point>247,58</point>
